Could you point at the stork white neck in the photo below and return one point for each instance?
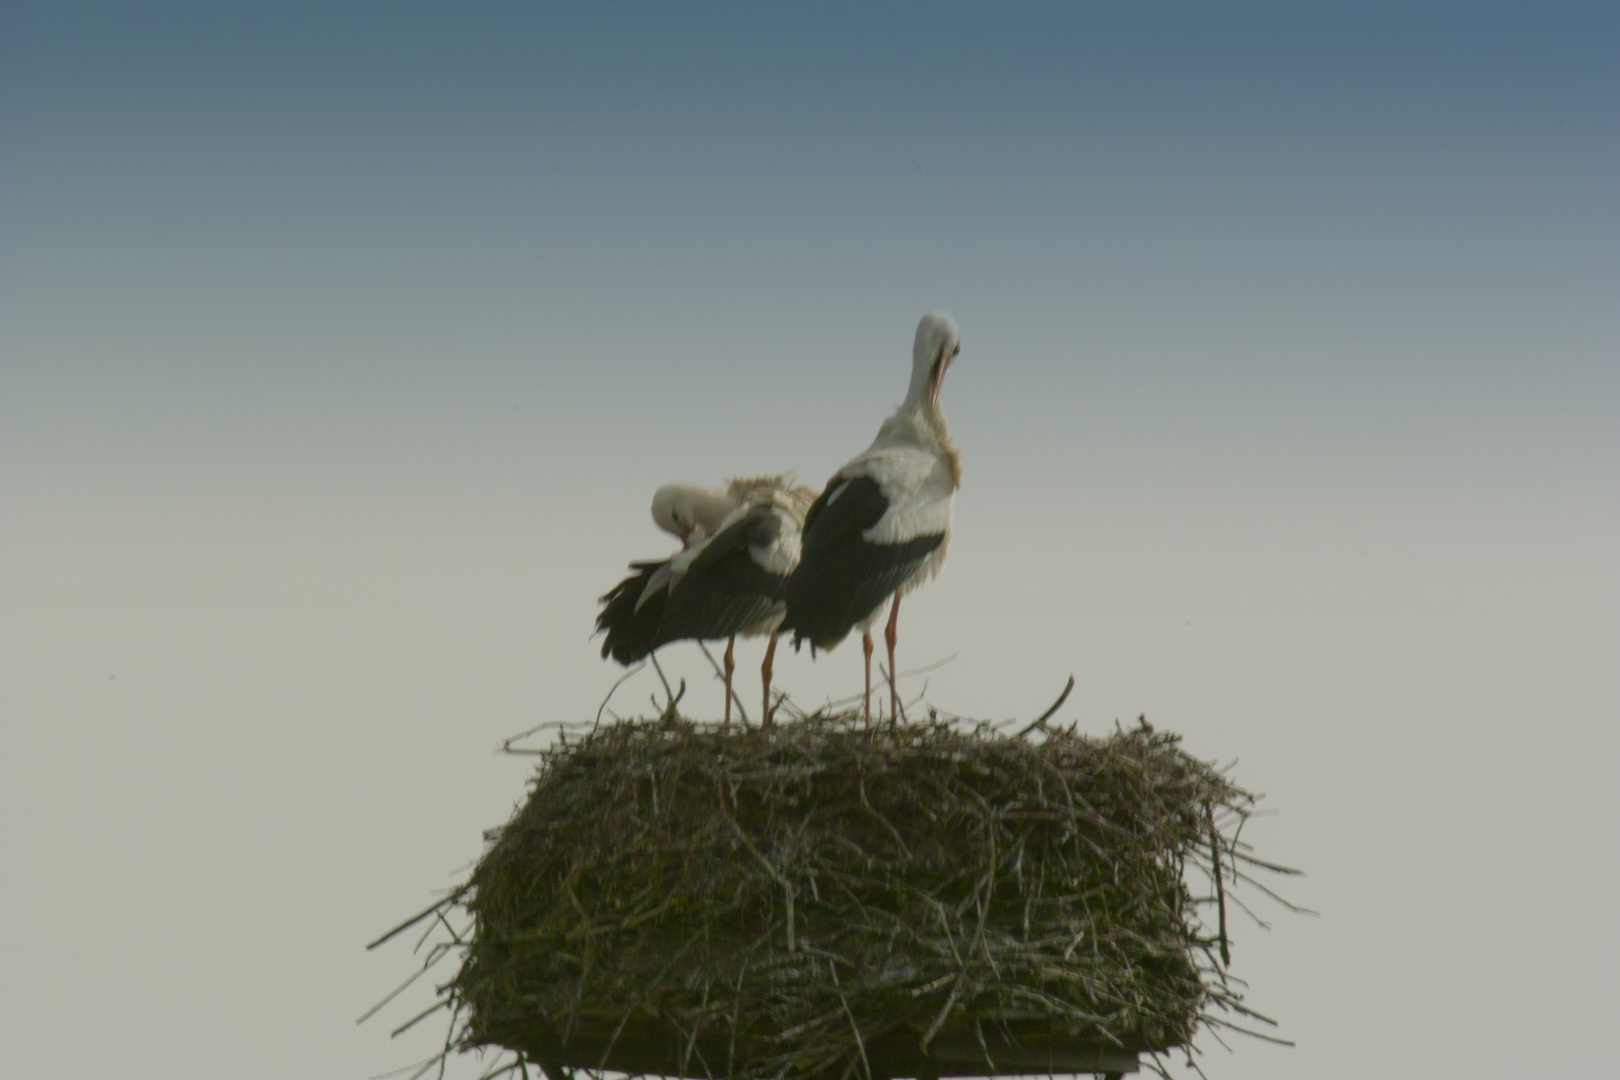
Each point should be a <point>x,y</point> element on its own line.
<point>932,350</point>
<point>918,421</point>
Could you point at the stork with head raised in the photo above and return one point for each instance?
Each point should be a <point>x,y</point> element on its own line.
<point>883,525</point>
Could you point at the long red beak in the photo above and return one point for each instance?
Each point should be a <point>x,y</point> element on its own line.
<point>937,381</point>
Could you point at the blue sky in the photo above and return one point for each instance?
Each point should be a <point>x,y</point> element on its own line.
<point>1387,195</point>
<point>342,346</point>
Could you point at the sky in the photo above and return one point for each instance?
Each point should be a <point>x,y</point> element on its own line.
<point>342,347</point>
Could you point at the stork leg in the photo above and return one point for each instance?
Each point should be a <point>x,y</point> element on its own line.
<point>890,634</point>
<point>765,673</point>
<point>866,707</point>
<point>731,643</point>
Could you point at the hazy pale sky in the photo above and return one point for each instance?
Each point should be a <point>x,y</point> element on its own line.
<point>342,347</point>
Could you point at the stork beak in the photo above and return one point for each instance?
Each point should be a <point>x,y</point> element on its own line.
<point>686,539</point>
<point>937,379</point>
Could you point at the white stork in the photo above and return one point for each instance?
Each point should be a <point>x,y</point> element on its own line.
<point>691,512</point>
<point>883,524</point>
<point>730,582</point>
<point>632,609</point>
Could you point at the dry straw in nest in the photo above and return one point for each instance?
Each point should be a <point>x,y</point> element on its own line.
<point>801,899</point>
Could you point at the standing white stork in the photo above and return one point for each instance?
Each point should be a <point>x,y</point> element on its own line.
<point>729,583</point>
<point>882,526</point>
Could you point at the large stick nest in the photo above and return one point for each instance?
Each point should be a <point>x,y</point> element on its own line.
<point>797,894</point>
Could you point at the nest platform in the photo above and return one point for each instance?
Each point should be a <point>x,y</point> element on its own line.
<point>816,900</point>
<point>654,1048</point>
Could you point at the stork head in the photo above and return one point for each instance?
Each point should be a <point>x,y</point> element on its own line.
<point>689,511</point>
<point>937,343</point>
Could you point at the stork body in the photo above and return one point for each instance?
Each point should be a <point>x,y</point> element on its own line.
<point>632,609</point>
<point>729,583</point>
<point>883,525</point>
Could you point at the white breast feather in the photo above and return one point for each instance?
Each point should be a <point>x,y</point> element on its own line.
<point>781,555</point>
<point>919,490</point>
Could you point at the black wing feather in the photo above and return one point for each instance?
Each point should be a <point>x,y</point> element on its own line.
<point>841,575</point>
<point>724,591</point>
<point>632,625</point>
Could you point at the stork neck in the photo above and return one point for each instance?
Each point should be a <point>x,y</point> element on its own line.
<point>916,422</point>
<point>917,392</point>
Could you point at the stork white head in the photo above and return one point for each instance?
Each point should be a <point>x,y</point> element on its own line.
<point>936,345</point>
<point>689,511</point>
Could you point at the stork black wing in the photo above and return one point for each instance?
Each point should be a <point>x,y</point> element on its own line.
<point>631,625</point>
<point>842,576</point>
<point>725,591</point>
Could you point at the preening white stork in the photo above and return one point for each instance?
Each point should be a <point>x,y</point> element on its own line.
<point>691,512</point>
<point>730,582</point>
<point>882,526</point>
<point>632,609</point>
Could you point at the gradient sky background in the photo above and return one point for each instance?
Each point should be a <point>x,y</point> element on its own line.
<point>341,348</point>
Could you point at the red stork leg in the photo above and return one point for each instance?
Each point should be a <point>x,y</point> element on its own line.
<point>889,636</point>
<point>866,707</point>
<point>730,666</point>
<point>765,673</point>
